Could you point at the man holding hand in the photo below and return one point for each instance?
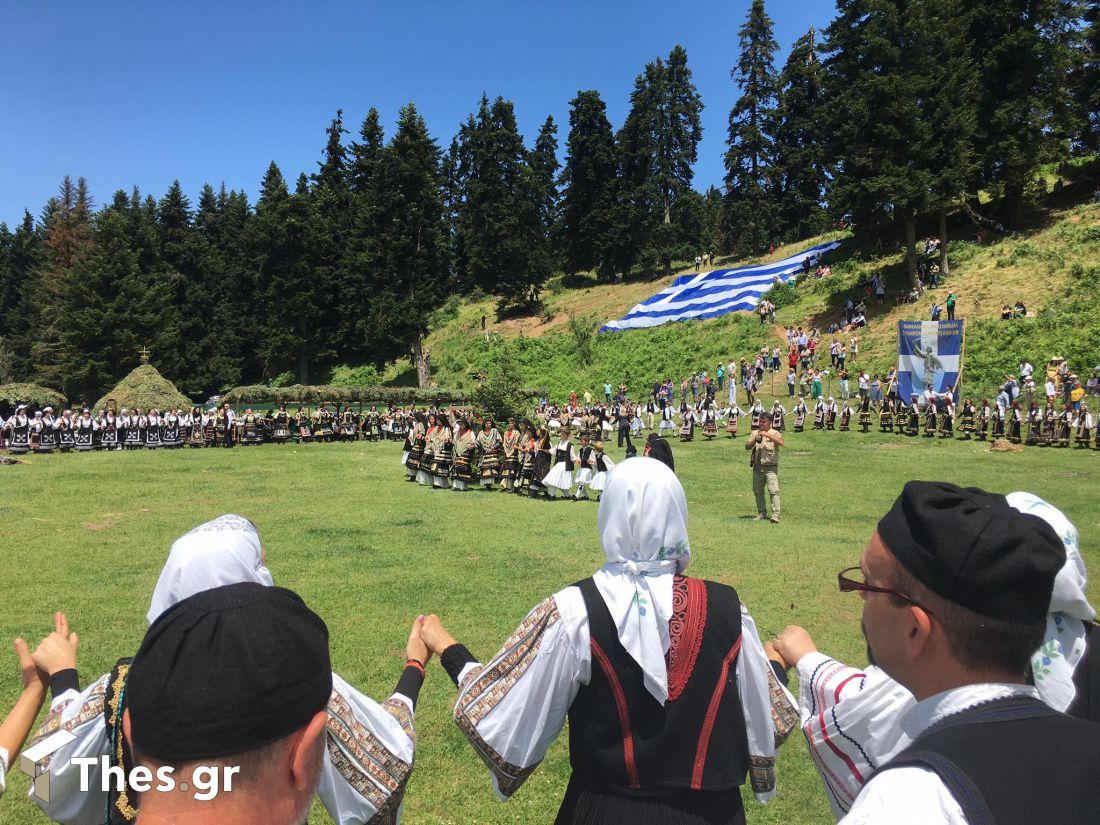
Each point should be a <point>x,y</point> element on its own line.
<point>764,444</point>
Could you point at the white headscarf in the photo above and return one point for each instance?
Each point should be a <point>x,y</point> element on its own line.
<point>643,528</point>
<point>1064,644</point>
<point>219,552</point>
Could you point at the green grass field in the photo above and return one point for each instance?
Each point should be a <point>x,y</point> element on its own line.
<point>87,534</point>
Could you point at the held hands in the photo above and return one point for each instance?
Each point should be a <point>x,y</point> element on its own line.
<point>34,680</point>
<point>434,635</point>
<point>415,647</point>
<point>792,644</point>
<point>57,652</point>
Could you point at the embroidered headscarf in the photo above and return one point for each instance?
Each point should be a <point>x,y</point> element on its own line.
<point>643,527</point>
<point>1064,644</point>
<point>216,553</point>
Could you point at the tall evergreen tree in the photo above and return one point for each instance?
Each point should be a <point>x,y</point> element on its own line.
<point>638,208</point>
<point>750,190</point>
<point>365,152</point>
<point>588,184</point>
<point>800,160</point>
<point>1087,92</point>
<point>678,129</point>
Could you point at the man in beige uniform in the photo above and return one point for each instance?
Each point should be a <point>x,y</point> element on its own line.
<point>765,443</point>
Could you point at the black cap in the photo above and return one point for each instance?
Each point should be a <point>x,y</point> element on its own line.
<point>974,549</point>
<point>226,671</point>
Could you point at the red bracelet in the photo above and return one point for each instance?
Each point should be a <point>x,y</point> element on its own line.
<point>417,664</point>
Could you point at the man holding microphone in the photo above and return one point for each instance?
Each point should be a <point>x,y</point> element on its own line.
<point>764,444</point>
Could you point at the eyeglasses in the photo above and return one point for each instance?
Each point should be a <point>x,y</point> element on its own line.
<point>850,585</point>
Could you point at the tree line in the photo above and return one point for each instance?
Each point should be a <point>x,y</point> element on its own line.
<point>898,113</point>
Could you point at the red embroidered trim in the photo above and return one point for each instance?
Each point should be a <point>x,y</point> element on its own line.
<point>685,630</point>
<point>711,717</point>
<point>624,713</point>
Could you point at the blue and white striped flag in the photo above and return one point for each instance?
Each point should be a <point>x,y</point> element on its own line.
<point>929,352</point>
<point>710,294</point>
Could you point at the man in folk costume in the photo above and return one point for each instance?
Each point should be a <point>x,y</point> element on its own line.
<point>779,416</point>
<point>84,431</point>
<point>559,481</point>
<point>799,413</point>
<point>1082,427</point>
<point>667,422</point>
<point>671,701</point>
<point>969,415</point>
<point>465,447</point>
<point>18,428</point>
<point>947,418</point>
<point>354,787</point>
<point>489,444</point>
<point>859,720</point>
<point>585,465</point>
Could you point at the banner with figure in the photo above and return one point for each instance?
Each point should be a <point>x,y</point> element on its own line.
<point>929,352</point>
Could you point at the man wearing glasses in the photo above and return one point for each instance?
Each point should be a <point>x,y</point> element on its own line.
<point>950,716</point>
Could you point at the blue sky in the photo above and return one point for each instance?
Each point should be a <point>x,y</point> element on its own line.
<point>142,93</point>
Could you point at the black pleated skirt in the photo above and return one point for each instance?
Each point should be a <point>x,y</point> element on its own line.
<point>589,806</point>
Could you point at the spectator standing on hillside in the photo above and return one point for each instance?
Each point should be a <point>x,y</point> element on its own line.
<point>1009,392</point>
<point>951,306</point>
<point>937,310</point>
<point>1026,370</point>
<point>607,391</point>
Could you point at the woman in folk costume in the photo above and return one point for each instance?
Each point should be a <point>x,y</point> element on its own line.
<point>865,414</point>
<point>152,429</point>
<point>851,717</point>
<point>525,455</point>
<point>755,412</point>
<point>845,416</point>
<point>947,418</point>
<point>997,420</point>
<point>66,438</point>
<point>370,745</point>
<point>831,412</point>
<point>969,415</point>
<point>542,455</point>
<point>108,430</point>
<point>407,459</point>
<point>820,410</point>
<point>46,429</point>
<point>930,419</point>
<point>559,481</point>
<point>671,701</point>
<point>18,429</point>
<point>886,416</point>
<point>465,446</point>
<point>1082,427</point>
<point>170,431</point>
<point>1015,422</point>
<point>687,425</point>
<point>84,431</point>
<point>585,463</point>
<point>731,414</point>
<point>1063,426</point>
<point>1050,418</point>
<point>912,426</point>
<point>799,412</point>
<point>489,444</point>
<point>196,431</point>
<point>427,459</point>
<point>1034,424</point>
<point>658,448</point>
<point>710,420</point>
<point>601,466</point>
<point>442,453</point>
<point>779,416</point>
<point>510,456</point>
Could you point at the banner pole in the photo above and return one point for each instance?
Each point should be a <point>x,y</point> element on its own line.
<point>962,356</point>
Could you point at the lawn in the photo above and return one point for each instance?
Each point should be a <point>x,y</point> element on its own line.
<point>87,534</point>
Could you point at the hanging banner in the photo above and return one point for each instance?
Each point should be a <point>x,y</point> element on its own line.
<point>929,352</point>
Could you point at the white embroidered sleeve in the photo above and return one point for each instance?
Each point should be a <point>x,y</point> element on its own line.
<point>769,708</point>
<point>905,796</point>
<point>82,715</point>
<point>3,768</point>
<point>513,708</point>
<point>850,721</point>
<point>370,756</point>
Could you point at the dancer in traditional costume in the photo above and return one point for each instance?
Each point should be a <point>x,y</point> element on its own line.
<point>865,414</point>
<point>845,417</point>
<point>171,430</point>
<point>586,461</point>
<point>913,423</point>
<point>465,448</point>
<point>66,437</point>
<point>601,465</point>
<point>969,414</point>
<point>820,410</point>
<point>831,411</point>
<point>1015,422</point>
<point>442,454</point>
<point>731,414</point>
<point>525,455</point>
<point>1083,426</point>
<point>799,413</point>
<point>710,420</point>
<point>947,418</point>
<point>755,411</point>
<point>667,422</point>
<point>109,431</point>
<point>489,443</point>
<point>427,459</point>
<point>985,418</point>
<point>886,416</point>
<point>930,416</point>
<point>1063,426</point>
<point>559,480</point>
<point>1034,425</point>
<point>1050,418</point>
<point>281,434</point>
<point>779,416</point>
<point>687,425</point>
<point>542,454</point>
<point>46,428</point>
<point>999,421</point>
<point>363,770</point>
<point>671,701</point>
<point>510,451</point>
<point>18,428</point>
<point>84,431</point>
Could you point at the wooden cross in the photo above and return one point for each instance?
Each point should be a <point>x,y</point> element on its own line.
<point>144,353</point>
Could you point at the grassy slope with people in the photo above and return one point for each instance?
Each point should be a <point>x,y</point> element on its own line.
<point>1054,267</point>
<point>369,552</point>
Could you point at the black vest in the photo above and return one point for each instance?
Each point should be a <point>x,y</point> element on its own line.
<point>1086,678</point>
<point>1013,761</point>
<point>621,739</point>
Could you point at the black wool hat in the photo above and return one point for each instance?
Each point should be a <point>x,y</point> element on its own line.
<point>226,671</point>
<point>974,549</point>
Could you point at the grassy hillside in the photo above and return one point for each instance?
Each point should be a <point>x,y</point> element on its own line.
<point>1054,267</point>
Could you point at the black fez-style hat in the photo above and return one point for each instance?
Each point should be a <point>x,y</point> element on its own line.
<point>974,549</point>
<point>226,671</point>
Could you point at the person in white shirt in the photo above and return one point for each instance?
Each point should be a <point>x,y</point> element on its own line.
<point>956,587</point>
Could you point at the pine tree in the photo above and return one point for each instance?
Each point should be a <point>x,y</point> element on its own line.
<point>588,183</point>
<point>800,161</point>
<point>1087,92</point>
<point>637,213</point>
<point>679,129</point>
<point>750,190</point>
<point>190,302</point>
<point>365,153</point>
<point>543,160</point>
<point>407,253</point>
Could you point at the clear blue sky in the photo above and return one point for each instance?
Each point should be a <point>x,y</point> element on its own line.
<point>142,93</point>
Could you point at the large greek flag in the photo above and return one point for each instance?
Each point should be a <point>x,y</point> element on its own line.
<point>710,294</point>
<point>928,353</point>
